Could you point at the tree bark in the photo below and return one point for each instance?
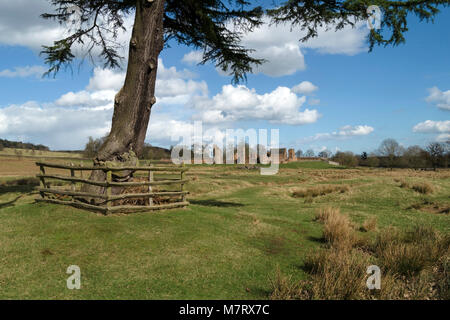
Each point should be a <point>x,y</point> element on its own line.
<point>133,103</point>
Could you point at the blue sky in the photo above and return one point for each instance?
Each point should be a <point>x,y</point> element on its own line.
<point>349,99</point>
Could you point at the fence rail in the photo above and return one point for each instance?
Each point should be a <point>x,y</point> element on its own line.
<point>106,205</point>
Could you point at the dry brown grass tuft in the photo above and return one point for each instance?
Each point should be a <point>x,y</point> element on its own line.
<point>283,288</point>
<point>409,253</point>
<point>337,274</point>
<point>369,224</point>
<point>415,265</point>
<point>423,187</point>
<point>324,213</point>
<point>337,230</point>
<point>320,190</point>
<point>404,184</point>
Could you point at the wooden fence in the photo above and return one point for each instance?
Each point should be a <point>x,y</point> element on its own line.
<point>77,198</point>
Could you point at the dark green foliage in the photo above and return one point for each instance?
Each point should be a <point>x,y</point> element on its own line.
<point>22,145</point>
<point>200,24</point>
<point>309,15</point>
<point>216,27</point>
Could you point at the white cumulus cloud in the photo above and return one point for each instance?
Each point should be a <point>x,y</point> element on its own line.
<point>430,126</point>
<point>193,57</point>
<point>344,132</point>
<point>235,103</point>
<point>305,87</point>
<point>23,72</point>
<point>284,54</point>
<point>440,98</point>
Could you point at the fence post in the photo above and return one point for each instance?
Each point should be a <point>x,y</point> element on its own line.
<point>108,187</point>
<point>73,186</point>
<point>42,180</point>
<point>150,188</point>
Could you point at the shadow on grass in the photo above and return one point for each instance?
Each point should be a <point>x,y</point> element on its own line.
<point>10,203</point>
<point>16,189</point>
<point>215,203</point>
<point>260,292</point>
<point>317,239</point>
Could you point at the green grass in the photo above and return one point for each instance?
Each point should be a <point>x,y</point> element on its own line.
<point>309,165</point>
<point>227,244</point>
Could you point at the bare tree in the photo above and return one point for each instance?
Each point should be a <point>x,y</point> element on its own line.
<point>436,153</point>
<point>391,150</point>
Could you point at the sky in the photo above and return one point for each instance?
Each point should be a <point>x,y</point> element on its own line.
<point>328,93</point>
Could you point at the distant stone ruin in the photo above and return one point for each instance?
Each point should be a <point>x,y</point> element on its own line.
<point>217,155</point>
<point>292,156</point>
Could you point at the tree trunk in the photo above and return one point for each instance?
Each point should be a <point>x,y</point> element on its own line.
<point>133,103</point>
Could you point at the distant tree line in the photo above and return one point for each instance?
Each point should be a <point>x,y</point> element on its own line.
<point>391,154</point>
<point>22,145</point>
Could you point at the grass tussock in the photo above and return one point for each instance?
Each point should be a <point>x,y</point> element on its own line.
<point>404,184</point>
<point>320,190</point>
<point>411,252</point>
<point>337,229</point>
<point>423,187</point>
<point>369,224</point>
<point>415,264</point>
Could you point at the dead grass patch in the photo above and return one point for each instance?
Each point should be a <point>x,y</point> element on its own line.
<point>423,187</point>
<point>320,190</point>
<point>415,264</point>
<point>337,229</point>
<point>369,224</point>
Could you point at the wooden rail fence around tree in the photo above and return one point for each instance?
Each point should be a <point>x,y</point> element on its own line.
<point>105,203</point>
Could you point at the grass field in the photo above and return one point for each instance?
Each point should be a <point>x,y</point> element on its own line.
<point>240,231</point>
<point>38,153</point>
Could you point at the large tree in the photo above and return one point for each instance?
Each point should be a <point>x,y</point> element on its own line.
<point>214,26</point>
